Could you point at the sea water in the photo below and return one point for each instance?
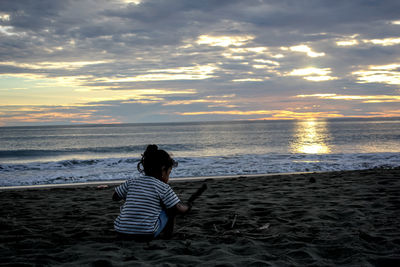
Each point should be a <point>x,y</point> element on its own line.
<point>82,153</point>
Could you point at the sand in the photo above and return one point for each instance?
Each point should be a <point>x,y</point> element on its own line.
<point>320,219</point>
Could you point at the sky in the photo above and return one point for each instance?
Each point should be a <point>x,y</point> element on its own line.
<point>120,61</point>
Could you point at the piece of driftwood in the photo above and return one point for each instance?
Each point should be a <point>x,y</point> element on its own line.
<point>198,193</point>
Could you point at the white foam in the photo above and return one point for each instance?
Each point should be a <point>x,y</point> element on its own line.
<point>109,169</point>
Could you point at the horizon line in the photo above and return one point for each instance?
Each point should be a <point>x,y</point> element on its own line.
<point>205,121</point>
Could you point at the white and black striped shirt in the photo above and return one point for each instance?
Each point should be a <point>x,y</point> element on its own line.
<point>145,197</point>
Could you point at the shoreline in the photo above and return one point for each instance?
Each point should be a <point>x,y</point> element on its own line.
<point>178,179</point>
<point>172,180</point>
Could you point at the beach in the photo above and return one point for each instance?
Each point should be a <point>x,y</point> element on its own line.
<point>346,218</point>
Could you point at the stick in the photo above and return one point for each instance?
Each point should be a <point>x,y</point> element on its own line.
<point>234,221</point>
<point>197,193</point>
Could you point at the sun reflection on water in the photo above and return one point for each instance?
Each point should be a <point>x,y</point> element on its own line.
<point>311,137</point>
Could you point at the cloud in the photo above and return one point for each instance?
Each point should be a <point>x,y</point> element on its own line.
<point>363,98</point>
<point>304,49</point>
<point>180,73</point>
<point>347,43</point>
<point>224,41</point>
<point>387,74</point>
<point>353,41</point>
<point>52,65</point>
<point>313,74</point>
<point>161,59</point>
<point>31,115</point>
<point>273,114</point>
<point>384,42</point>
<point>248,80</point>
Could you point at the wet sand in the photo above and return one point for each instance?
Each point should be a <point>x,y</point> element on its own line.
<point>320,219</point>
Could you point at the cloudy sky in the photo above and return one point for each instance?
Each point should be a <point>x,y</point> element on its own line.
<point>111,61</point>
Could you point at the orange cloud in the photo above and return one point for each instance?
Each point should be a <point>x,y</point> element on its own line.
<point>228,112</point>
<point>106,120</point>
<point>386,114</point>
<point>275,114</point>
<point>41,114</point>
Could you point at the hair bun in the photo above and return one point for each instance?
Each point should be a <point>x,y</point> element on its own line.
<point>151,149</point>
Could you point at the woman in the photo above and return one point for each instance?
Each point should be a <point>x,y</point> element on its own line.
<point>150,203</point>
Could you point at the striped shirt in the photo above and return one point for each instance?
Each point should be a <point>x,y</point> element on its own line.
<point>145,197</point>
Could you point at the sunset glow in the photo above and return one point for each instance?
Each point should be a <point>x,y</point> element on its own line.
<point>311,137</point>
<point>153,61</point>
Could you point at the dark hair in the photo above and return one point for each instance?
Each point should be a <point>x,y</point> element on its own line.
<point>154,160</point>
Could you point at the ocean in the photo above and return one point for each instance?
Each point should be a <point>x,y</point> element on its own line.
<point>82,153</point>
